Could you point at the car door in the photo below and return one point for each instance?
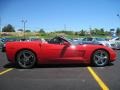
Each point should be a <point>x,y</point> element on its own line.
<point>56,52</point>
<point>51,51</point>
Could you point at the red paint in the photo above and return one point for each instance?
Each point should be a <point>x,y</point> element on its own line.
<point>56,53</point>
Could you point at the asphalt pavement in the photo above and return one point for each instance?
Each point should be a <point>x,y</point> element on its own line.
<point>59,77</point>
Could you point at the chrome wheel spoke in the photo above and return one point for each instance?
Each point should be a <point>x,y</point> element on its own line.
<point>97,56</point>
<point>30,56</point>
<point>102,61</point>
<point>101,54</point>
<point>24,63</point>
<point>24,55</point>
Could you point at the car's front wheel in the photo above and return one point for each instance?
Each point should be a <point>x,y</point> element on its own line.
<point>100,58</point>
<point>26,59</point>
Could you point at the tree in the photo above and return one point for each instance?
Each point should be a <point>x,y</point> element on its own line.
<point>76,33</point>
<point>107,33</point>
<point>118,31</point>
<point>102,31</point>
<point>82,33</point>
<point>92,32</point>
<point>41,31</point>
<point>96,31</point>
<point>65,32</point>
<point>8,28</point>
<point>20,30</point>
<point>27,31</point>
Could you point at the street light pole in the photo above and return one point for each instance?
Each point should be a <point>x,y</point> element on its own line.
<point>24,22</point>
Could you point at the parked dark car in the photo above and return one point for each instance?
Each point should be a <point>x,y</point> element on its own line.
<point>4,41</point>
<point>1,43</point>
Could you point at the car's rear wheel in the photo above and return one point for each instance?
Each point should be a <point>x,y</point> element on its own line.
<point>26,59</point>
<point>100,58</point>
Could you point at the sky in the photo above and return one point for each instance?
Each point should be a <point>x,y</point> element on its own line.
<point>53,15</point>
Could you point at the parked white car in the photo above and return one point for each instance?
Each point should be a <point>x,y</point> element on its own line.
<point>116,41</point>
<point>100,41</point>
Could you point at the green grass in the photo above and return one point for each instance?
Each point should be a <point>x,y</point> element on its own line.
<point>51,35</point>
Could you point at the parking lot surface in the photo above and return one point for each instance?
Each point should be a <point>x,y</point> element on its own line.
<point>59,77</point>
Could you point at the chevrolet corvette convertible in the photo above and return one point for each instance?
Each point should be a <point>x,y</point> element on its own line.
<point>58,50</point>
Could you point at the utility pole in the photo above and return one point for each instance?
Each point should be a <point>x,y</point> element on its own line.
<point>65,27</point>
<point>119,26</point>
<point>24,22</point>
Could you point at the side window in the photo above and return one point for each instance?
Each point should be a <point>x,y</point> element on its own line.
<point>89,39</point>
<point>56,41</point>
<point>85,39</point>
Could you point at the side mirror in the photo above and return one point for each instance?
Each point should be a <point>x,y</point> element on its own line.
<point>66,43</point>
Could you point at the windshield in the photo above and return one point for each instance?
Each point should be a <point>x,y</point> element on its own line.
<point>73,42</point>
<point>100,39</point>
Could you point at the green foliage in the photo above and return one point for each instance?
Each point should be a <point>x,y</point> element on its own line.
<point>8,28</point>
<point>101,32</point>
<point>82,33</point>
<point>76,33</point>
<point>27,31</point>
<point>118,31</point>
<point>41,31</point>
<point>65,32</point>
<point>21,30</point>
<point>96,31</point>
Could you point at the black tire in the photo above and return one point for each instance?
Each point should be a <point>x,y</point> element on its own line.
<point>100,58</point>
<point>26,59</point>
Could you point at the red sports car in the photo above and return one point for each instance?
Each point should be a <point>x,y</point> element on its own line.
<point>58,50</point>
